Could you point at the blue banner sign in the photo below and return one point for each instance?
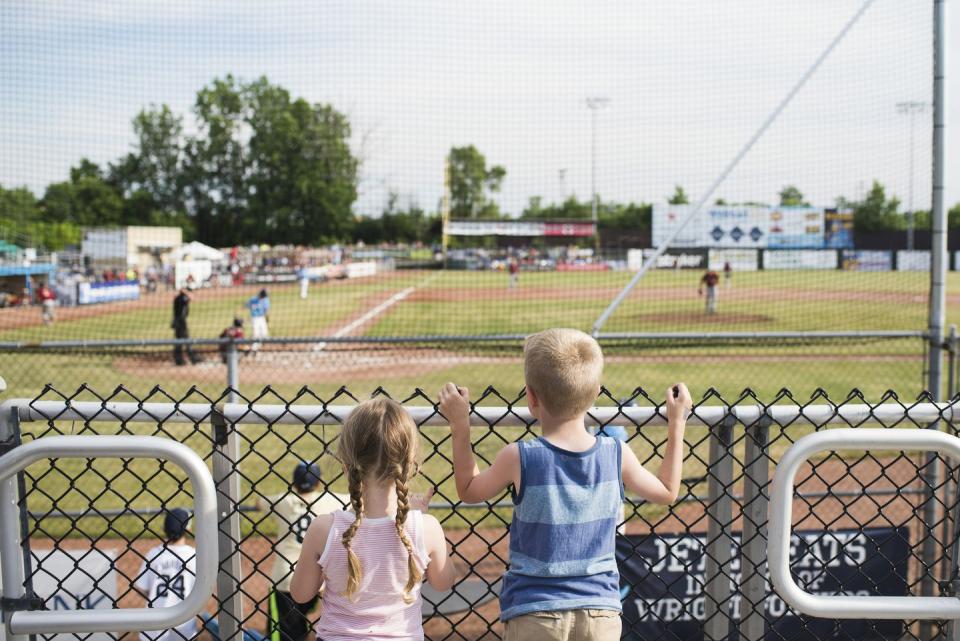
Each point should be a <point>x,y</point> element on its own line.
<point>662,584</point>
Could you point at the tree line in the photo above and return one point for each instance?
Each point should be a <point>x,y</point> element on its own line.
<point>265,167</point>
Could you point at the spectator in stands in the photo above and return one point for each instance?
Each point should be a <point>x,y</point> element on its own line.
<point>234,332</point>
<point>710,280</point>
<point>181,310</point>
<point>48,302</point>
<point>259,307</point>
<point>293,512</point>
<point>168,573</point>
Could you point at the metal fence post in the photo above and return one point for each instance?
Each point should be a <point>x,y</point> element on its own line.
<point>719,545</point>
<point>233,372</point>
<point>14,584</point>
<point>226,455</point>
<point>753,550</point>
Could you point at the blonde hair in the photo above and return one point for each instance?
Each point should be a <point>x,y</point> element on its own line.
<point>379,439</point>
<point>563,367</point>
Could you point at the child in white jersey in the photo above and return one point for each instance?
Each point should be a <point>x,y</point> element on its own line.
<point>168,574</point>
<point>373,560</point>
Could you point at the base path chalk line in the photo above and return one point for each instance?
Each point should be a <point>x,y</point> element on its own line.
<point>376,311</point>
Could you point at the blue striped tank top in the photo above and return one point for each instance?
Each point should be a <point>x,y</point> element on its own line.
<point>563,533</point>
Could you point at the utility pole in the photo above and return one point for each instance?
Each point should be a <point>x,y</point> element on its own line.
<point>911,109</point>
<point>595,104</point>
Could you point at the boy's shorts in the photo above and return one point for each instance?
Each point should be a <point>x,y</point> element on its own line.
<point>565,625</point>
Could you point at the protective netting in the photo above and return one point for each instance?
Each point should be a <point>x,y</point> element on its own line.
<point>317,149</point>
<point>879,522</point>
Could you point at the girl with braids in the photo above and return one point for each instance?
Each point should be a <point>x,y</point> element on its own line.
<point>372,561</point>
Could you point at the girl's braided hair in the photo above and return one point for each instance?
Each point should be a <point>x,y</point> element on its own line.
<point>379,440</point>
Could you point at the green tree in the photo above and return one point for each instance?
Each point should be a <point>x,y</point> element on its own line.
<point>471,182</point>
<point>303,176</point>
<point>22,222</point>
<point>790,196</point>
<point>86,199</point>
<point>875,212</point>
<point>153,177</point>
<point>953,218</point>
<point>679,196</point>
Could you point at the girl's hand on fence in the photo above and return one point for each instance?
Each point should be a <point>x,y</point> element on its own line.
<point>455,405</point>
<point>678,403</point>
<point>421,502</point>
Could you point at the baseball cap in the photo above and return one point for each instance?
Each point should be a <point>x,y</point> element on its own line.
<point>306,476</point>
<point>175,523</point>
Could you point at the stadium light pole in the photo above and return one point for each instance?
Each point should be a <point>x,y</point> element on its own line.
<point>911,109</point>
<point>595,104</point>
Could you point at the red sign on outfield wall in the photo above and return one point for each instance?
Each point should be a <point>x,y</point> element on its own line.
<point>568,229</point>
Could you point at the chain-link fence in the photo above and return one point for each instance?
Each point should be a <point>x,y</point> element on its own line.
<point>873,523</point>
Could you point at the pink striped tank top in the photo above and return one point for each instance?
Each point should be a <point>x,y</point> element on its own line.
<point>379,611</point>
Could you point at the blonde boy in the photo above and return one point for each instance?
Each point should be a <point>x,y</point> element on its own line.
<point>567,488</point>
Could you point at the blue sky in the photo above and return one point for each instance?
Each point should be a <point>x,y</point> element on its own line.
<point>688,82</point>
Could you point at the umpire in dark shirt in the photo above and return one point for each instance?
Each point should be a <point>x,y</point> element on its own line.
<point>181,309</point>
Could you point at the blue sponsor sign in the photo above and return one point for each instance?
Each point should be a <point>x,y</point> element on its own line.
<point>90,293</point>
<point>662,584</point>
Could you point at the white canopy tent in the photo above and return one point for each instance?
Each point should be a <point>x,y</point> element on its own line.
<point>196,251</point>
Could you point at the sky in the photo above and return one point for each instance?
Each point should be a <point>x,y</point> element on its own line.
<point>687,83</point>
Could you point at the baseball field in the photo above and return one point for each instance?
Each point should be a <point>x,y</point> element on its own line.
<point>477,304</point>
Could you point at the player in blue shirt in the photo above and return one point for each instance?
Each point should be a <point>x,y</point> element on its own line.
<point>259,307</point>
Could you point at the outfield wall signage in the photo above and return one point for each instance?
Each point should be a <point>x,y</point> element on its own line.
<point>867,260</point>
<point>518,228</point>
<point>838,229</point>
<point>795,227</point>
<point>93,293</point>
<point>800,259</point>
<point>913,260</point>
<point>754,227</point>
<point>662,583</point>
<point>740,260</point>
<point>678,258</point>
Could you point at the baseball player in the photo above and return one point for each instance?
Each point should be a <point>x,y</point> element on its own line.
<point>168,574</point>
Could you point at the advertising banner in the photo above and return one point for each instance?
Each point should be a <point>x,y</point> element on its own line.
<point>796,227</point>
<point>519,228</point>
<point>568,229</point>
<point>92,293</point>
<point>914,260</point>
<point>712,227</point>
<point>838,229</point>
<point>799,259</point>
<point>679,258</point>
<point>867,260</point>
<point>740,260</point>
<point>82,579</point>
<point>662,583</point>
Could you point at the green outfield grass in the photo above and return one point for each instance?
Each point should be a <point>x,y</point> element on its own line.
<point>479,303</point>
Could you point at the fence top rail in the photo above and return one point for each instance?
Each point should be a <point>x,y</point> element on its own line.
<point>491,338</point>
<point>504,416</point>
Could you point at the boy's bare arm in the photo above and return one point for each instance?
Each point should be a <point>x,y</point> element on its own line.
<point>474,486</point>
<point>663,488</point>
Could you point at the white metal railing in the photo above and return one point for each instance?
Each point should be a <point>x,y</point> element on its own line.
<point>261,413</point>
<point>781,512</point>
<point>116,620</point>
